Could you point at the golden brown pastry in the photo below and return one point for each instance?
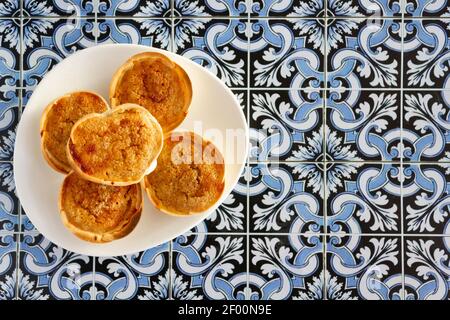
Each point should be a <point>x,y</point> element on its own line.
<point>99,213</point>
<point>57,121</point>
<point>189,177</point>
<point>116,147</point>
<point>155,82</point>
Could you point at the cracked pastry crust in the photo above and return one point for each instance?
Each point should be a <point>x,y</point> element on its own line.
<point>57,121</point>
<point>96,212</point>
<point>189,177</point>
<point>116,147</point>
<point>155,82</point>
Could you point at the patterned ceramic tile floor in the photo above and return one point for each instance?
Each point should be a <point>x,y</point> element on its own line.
<point>346,194</point>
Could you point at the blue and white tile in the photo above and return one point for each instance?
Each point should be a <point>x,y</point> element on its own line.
<point>219,45</point>
<point>149,32</point>
<point>427,271</point>
<point>286,267</point>
<point>8,268</point>
<point>286,197</point>
<point>135,8</point>
<point>9,118</point>
<point>10,49</point>
<point>204,8</point>
<point>9,203</point>
<point>363,198</point>
<point>10,8</point>
<point>143,276</point>
<point>55,8</point>
<point>209,267</point>
<point>287,53</point>
<point>427,8</point>
<point>426,54</point>
<point>47,41</point>
<point>364,268</point>
<point>286,125</point>
<point>50,272</point>
<point>363,125</point>
<point>364,53</point>
<point>426,199</point>
<point>426,126</point>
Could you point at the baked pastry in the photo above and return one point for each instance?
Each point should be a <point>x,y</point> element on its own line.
<point>116,147</point>
<point>155,82</point>
<point>57,121</point>
<point>189,177</point>
<point>99,213</point>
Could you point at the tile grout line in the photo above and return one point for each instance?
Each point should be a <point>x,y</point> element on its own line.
<point>324,181</point>
<point>170,262</point>
<point>402,35</point>
<point>247,165</point>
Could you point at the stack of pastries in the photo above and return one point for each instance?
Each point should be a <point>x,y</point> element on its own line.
<point>109,152</point>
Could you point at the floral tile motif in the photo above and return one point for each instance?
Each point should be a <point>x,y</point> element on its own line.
<point>150,32</point>
<point>242,98</point>
<point>426,55</point>
<point>427,8</point>
<point>9,203</point>
<point>286,125</point>
<point>363,125</point>
<point>55,8</point>
<point>9,58</point>
<point>209,267</point>
<point>366,268</point>
<point>50,272</point>
<point>48,41</point>
<point>203,8</point>
<point>286,197</point>
<point>9,118</point>
<point>426,126</point>
<point>10,8</point>
<point>363,198</point>
<point>426,199</point>
<point>220,45</point>
<point>286,267</point>
<point>8,270</point>
<point>143,276</point>
<point>135,8</point>
<point>374,63</point>
<point>427,273</point>
<point>287,53</point>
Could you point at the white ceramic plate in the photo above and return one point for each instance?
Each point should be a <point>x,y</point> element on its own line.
<point>91,69</point>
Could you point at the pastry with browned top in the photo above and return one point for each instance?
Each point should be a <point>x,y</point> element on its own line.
<point>189,177</point>
<point>99,213</point>
<point>155,82</point>
<point>57,121</point>
<point>116,147</point>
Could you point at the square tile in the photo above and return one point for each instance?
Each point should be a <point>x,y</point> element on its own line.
<point>427,8</point>
<point>301,9</point>
<point>204,8</point>
<point>373,63</point>
<point>10,57</point>
<point>426,126</point>
<point>209,267</point>
<point>426,54</point>
<point>363,268</point>
<point>363,197</point>
<point>287,53</point>
<point>143,276</point>
<point>51,272</point>
<point>10,8</point>
<point>219,45</point>
<point>9,118</point>
<point>47,41</point>
<point>9,203</point>
<point>286,267</point>
<point>426,268</point>
<point>55,8</point>
<point>135,8</point>
<point>363,125</point>
<point>286,197</point>
<point>286,125</point>
<point>426,198</point>
<point>150,32</point>
<point>8,268</point>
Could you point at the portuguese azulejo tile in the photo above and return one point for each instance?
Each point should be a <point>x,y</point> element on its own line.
<point>287,53</point>
<point>8,269</point>
<point>9,57</point>
<point>361,267</point>
<point>363,125</point>
<point>363,198</point>
<point>426,199</point>
<point>427,272</point>
<point>286,125</point>
<point>364,53</point>
<point>150,32</point>
<point>9,203</point>
<point>426,126</point>
<point>220,45</point>
<point>9,118</point>
<point>143,276</point>
<point>427,8</point>
<point>286,267</point>
<point>55,8</point>
<point>286,197</point>
<point>426,54</point>
<point>10,8</point>
<point>135,8</point>
<point>209,267</point>
<point>202,8</point>
<point>52,272</point>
